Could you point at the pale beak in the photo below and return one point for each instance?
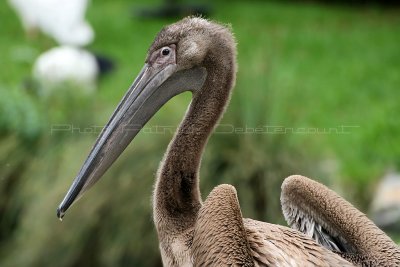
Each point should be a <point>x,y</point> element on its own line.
<point>149,92</point>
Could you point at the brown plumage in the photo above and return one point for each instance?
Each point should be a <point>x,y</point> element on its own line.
<point>200,56</point>
<point>223,238</point>
<point>219,237</point>
<point>312,208</point>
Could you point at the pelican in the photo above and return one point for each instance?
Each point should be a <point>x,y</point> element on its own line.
<point>198,55</point>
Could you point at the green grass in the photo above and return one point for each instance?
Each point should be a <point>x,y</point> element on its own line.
<point>300,66</point>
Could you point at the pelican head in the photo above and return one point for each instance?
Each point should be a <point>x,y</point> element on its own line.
<point>176,62</point>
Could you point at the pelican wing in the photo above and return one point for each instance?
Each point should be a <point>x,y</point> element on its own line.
<point>321,214</point>
<point>275,245</point>
<point>223,238</point>
<point>219,235</point>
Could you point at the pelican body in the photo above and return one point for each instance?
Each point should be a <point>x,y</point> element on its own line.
<point>197,55</point>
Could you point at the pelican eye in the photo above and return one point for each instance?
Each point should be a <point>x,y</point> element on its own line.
<point>165,51</point>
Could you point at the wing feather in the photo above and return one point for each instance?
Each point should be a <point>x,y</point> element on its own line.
<point>219,237</point>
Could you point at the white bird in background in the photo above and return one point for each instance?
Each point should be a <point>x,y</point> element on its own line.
<point>63,20</point>
<point>69,63</point>
<point>66,65</point>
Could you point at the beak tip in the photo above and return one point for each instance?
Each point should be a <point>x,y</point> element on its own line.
<point>60,213</point>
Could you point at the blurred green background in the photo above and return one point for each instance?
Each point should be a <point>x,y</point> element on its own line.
<point>301,65</point>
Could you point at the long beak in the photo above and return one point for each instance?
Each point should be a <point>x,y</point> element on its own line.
<point>149,92</point>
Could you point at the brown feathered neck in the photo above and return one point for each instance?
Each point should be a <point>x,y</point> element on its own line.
<point>177,197</point>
